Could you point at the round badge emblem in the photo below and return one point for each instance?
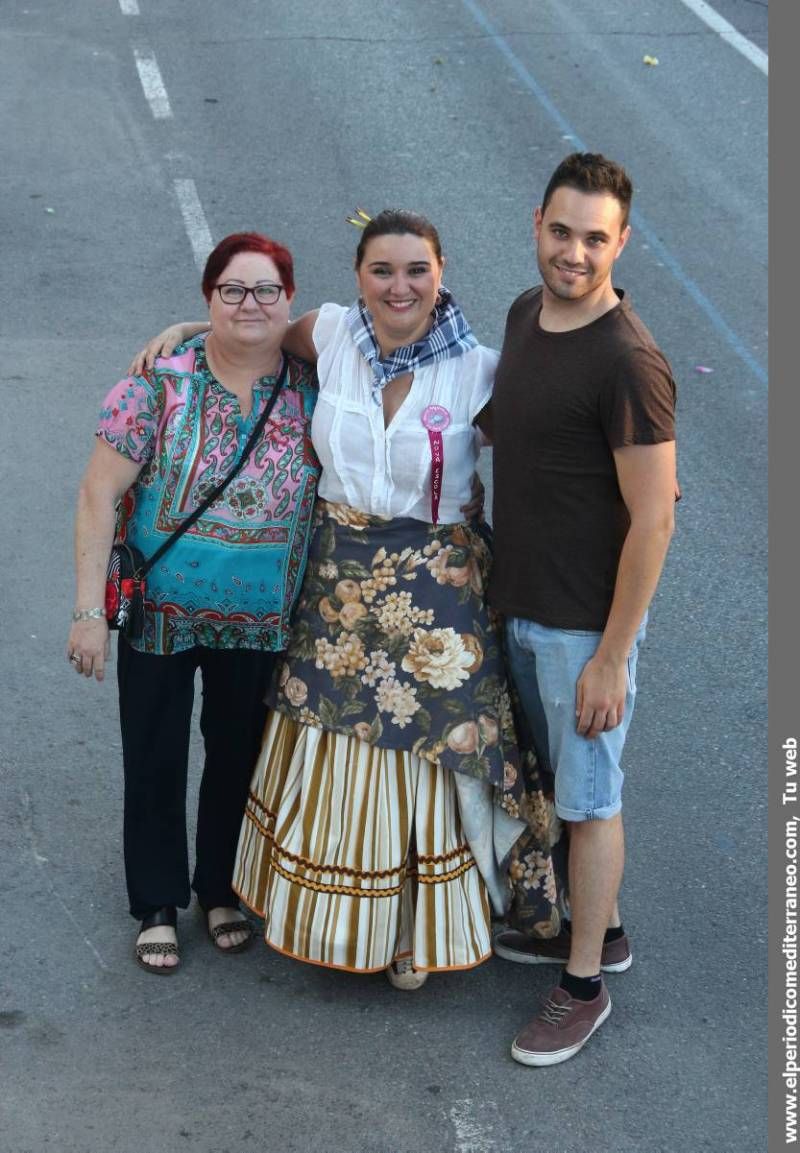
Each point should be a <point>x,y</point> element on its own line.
<point>436,418</point>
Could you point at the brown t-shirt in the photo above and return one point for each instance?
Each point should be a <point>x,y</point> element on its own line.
<point>562,402</point>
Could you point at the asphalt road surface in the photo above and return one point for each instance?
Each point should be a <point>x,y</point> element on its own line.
<point>114,116</point>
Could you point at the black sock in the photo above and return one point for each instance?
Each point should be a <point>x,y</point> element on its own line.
<point>611,934</point>
<point>581,988</point>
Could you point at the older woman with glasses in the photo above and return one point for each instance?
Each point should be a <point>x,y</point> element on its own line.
<point>219,599</point>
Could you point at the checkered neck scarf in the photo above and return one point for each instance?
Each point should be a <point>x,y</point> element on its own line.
<point>450,335</point>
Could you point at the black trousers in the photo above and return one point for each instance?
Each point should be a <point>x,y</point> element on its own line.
<point>156,694</point>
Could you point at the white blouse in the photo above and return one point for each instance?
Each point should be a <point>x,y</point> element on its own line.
<point>387,471</point>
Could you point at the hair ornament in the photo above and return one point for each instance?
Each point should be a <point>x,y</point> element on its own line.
<point>360,220</point>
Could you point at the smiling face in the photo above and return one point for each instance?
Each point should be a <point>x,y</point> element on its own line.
<point>249,324</point>
<point>399,278</point>
<point>578,238</point>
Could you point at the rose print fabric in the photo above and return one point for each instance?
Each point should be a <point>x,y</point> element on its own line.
<point>392,643</point>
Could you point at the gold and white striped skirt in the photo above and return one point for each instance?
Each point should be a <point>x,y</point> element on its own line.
<point>354,855</point>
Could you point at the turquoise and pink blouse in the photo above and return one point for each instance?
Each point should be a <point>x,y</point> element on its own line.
<point>230,581</point>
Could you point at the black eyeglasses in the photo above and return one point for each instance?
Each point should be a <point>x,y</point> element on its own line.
<point>262,293</point>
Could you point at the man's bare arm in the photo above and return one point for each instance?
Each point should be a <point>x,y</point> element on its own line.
<point>646,475</point>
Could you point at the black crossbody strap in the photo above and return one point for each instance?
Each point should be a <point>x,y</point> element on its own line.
<point>223,484</point>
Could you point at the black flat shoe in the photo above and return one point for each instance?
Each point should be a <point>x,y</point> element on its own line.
<point>166,916</point>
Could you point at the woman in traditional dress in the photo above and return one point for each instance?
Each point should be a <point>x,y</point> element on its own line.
<point>388,792</point>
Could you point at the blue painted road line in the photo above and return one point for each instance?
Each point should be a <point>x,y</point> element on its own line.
<point>718,322</point>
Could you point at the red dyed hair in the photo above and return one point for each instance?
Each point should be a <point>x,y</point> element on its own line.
<point>238,242</point>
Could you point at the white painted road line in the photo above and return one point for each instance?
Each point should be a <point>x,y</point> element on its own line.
<point>129,7</point>
<point>727,31</point>
<point>153,85</point>
<point>470,1136</point>
<point>194,220</point>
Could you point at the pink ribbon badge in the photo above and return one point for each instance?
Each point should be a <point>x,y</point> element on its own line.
<point>436,419</point>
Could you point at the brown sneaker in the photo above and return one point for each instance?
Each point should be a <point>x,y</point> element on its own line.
<point>514,946</point>
<point>563,1026</point>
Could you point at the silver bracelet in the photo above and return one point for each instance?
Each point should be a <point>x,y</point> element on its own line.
<point>88,614</point>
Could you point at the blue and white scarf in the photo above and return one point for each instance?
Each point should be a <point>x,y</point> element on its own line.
<point>449,335</point>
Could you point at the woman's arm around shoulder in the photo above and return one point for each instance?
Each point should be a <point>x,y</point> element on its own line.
<point>299,338</point>
<point>165,344</point>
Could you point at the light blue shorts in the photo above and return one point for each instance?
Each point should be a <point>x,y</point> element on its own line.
<point>545,665</point>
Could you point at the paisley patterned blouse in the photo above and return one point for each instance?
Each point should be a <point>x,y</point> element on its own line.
<point>230,581</point>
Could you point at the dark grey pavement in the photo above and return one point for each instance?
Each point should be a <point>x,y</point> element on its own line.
<point>286,117</point>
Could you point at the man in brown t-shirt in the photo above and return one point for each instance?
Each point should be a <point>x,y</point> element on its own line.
<point>584,490</point>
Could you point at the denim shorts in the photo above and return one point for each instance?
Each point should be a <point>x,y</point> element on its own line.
<point>545,664</point>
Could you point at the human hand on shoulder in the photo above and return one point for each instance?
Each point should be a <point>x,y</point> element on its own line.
<point>163,345</point>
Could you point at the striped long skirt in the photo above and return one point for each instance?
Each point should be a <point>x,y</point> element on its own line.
<point>355,856</point>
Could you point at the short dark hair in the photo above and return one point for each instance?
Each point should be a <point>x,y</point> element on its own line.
<point>397,222</point>
<point>238,242</point>
<point>592,172</point>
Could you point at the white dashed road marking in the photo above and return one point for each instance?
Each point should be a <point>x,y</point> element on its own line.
<point>195,220</point>
<point>153,85</point>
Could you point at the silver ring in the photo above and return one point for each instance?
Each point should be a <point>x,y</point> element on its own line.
<point>76,660</point>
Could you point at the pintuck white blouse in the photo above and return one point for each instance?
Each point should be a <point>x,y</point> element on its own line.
<point>387,471</point>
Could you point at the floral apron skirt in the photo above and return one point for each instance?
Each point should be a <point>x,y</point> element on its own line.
<point>389,791</point>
